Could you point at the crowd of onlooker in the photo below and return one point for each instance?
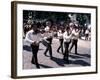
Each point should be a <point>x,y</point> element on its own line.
<point>85,32</point>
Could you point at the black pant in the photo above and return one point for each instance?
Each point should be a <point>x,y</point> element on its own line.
<point>49,47</point>
<point>74,43</point>
<point>66,53</point>
<point>34,57</point>
<point>61,45</point>
<point>86,36</point>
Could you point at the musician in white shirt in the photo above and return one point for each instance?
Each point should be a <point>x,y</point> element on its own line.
<point>33,37</point>
<point>60,37</point>
<point>75,36</point>
<point>47,41</point>
<point>67,40</point>
<point>86,34</point>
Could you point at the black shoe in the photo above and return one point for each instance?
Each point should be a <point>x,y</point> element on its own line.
<point>67,61</point>
<point>45,54</point>
<point>32,62</point>
<point>51,57</point>
<point>58,51</point>
<point>38,67</point>
<point>76,53</point>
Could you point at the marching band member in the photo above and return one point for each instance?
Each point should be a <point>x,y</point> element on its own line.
<point>75,36</point>
<point>47,41</point>
<point>60,36</point>
<point>86,34</point>
<point>33,37</point>
<point>67,40</point>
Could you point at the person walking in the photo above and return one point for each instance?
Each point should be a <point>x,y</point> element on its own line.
<point>33,38</point>
<point>75,36</point>
<point>87,34</point>
<point>60,37</point>
<point>47,40</point>
<point>67,40</point>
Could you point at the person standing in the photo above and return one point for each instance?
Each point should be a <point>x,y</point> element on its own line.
<point>60,36</point>
<point>33,37</point>
<point>67,40</point>
<point>75,36</point>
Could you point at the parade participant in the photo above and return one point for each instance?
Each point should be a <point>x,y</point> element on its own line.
<point>86,34</point>
<point>26,28</point>
<point>60,37</point>
<point>75,36</point>
<point>33,37</point>
<point>47,41</point>
<point>48,25</point>
<point>67,40</point>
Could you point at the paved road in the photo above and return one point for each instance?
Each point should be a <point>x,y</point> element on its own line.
<point>83,59</point>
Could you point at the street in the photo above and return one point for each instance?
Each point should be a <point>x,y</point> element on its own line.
<point>83,58</point>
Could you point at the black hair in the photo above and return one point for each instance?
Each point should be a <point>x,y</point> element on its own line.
<point>67,28</point>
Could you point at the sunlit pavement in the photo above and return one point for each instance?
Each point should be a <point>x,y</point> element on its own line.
<point>82,59</point>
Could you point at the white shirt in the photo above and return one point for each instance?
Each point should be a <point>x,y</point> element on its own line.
<point>47,28</point>
<point>47,35</point>
<point>75,35</point>
<point>31,37</point>
<point>66,37</point>
<point>87,32</point>
<point>60,34</point>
